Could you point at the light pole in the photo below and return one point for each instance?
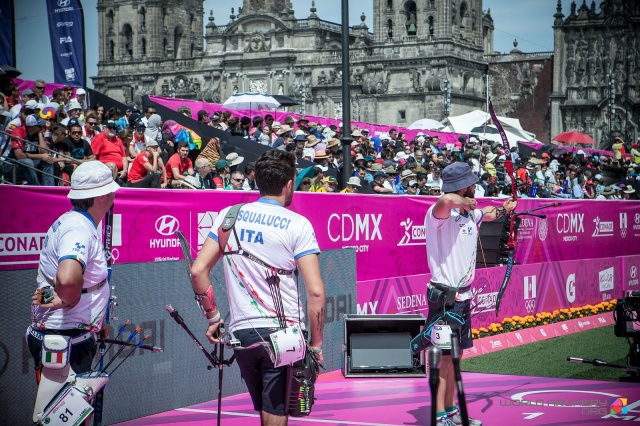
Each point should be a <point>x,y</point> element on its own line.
<point>303,98</point>
<point>446,97</point>
<point>612,98</point>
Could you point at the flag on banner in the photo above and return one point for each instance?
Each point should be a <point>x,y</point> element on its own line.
<point>66,29</point>
<point>7,33</point>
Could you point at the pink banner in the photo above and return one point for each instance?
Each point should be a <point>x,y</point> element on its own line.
<point>374,129</point>
<point>387,233</point>
<point>630,269</point>
<point>49,88</point>
<point>532,289</point>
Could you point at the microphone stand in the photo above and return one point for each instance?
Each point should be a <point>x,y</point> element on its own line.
<point>455,358</point>
<point>434,355</point>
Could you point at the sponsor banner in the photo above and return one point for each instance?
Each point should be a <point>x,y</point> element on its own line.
<point>48,90</point>
<point>532,289</point>
<point>498,342</point>
<point>630,270</point>
<point>66,29</point>
<point>374,129</point>
<point>7,33</point>
<point>387,235</point>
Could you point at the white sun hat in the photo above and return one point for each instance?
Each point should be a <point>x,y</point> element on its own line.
<point>91,179</point>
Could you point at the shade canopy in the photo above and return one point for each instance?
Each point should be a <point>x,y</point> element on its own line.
<point>426,124</point>
<point>250,101</point>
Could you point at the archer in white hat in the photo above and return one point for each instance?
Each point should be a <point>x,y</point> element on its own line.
<point>72,290</point>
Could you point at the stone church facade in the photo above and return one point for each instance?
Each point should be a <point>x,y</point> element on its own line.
<point>596,76</point>
<point>424,58</point>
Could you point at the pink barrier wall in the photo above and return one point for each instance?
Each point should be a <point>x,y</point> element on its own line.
<point>630,269</point>
<point>279,115</point>
<point>387,233</point>
<point>532,289</point>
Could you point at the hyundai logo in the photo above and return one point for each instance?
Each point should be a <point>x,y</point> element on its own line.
<point>167,225</point>
<point>64,3</point>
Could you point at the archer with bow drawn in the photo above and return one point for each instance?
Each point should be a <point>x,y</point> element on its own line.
<point>452,225</point>
<point>264,244</point>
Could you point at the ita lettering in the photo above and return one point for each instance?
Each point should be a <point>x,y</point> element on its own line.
<point>251,236</point>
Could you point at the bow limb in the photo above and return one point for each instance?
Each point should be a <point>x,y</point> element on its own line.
<point>511,242</point>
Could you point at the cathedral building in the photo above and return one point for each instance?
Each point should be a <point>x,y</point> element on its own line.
<point>424,58</point>
<point>596,75</point>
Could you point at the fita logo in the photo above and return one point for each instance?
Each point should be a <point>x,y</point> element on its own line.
<point>603,229</point>
<point>623,224</point>
<point>619,406</point>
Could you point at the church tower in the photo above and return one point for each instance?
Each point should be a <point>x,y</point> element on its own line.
<point>151,36</point>
<point>399,21</point>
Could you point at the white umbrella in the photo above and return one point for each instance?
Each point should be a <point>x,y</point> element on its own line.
<point>250,101</point>
<point>426,124</point>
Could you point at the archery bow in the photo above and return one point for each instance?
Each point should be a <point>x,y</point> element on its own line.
<point>511,242</point>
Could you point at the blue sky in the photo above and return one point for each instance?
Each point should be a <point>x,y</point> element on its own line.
<point>529,21</point>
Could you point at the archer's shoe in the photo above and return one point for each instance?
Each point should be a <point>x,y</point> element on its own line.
<point>445,421</point>
<point>456,419</point>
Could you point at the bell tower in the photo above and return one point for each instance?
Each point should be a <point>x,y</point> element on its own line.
<point>276,7</point>
<point>428,20</point>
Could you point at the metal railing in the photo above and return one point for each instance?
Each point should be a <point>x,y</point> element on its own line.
<point>15,163</point>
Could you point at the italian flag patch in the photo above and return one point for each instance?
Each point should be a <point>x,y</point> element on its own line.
<point>55,357</point>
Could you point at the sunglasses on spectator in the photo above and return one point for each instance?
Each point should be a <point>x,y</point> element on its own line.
<point>238,180</point>
<point>76,133</point>
<point>39,87</point>
<point>91,123</point>
<point>305,182</point>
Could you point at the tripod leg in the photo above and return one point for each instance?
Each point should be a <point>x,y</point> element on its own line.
<point>455,358</point>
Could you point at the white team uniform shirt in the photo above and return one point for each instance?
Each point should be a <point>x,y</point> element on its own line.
<point>74,236</point>
<point>278,237</point>
<point>451,248</point>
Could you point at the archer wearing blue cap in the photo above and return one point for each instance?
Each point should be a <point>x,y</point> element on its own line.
<point>453,223</point>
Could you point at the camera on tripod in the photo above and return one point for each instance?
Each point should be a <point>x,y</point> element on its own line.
<point>627,324</point>
<point>627,315</point>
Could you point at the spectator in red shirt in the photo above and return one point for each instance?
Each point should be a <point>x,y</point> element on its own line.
<point>109,149</point>
<point>145,167</point>
<point>178,164</point>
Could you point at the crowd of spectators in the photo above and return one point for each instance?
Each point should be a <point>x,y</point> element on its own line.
<point>50,137</point>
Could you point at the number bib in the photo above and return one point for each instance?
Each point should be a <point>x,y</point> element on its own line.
<point>69,408</point>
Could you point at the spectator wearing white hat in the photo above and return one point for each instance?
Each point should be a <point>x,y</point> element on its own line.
<point>81,98</point>
<point>74,110</point>
<point>353,185</point>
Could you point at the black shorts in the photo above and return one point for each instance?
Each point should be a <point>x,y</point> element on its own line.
<point>463,309</point>
<point>81,353</point>
<point>267,385</point>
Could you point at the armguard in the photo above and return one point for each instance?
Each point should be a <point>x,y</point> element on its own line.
<point>208,295</point>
